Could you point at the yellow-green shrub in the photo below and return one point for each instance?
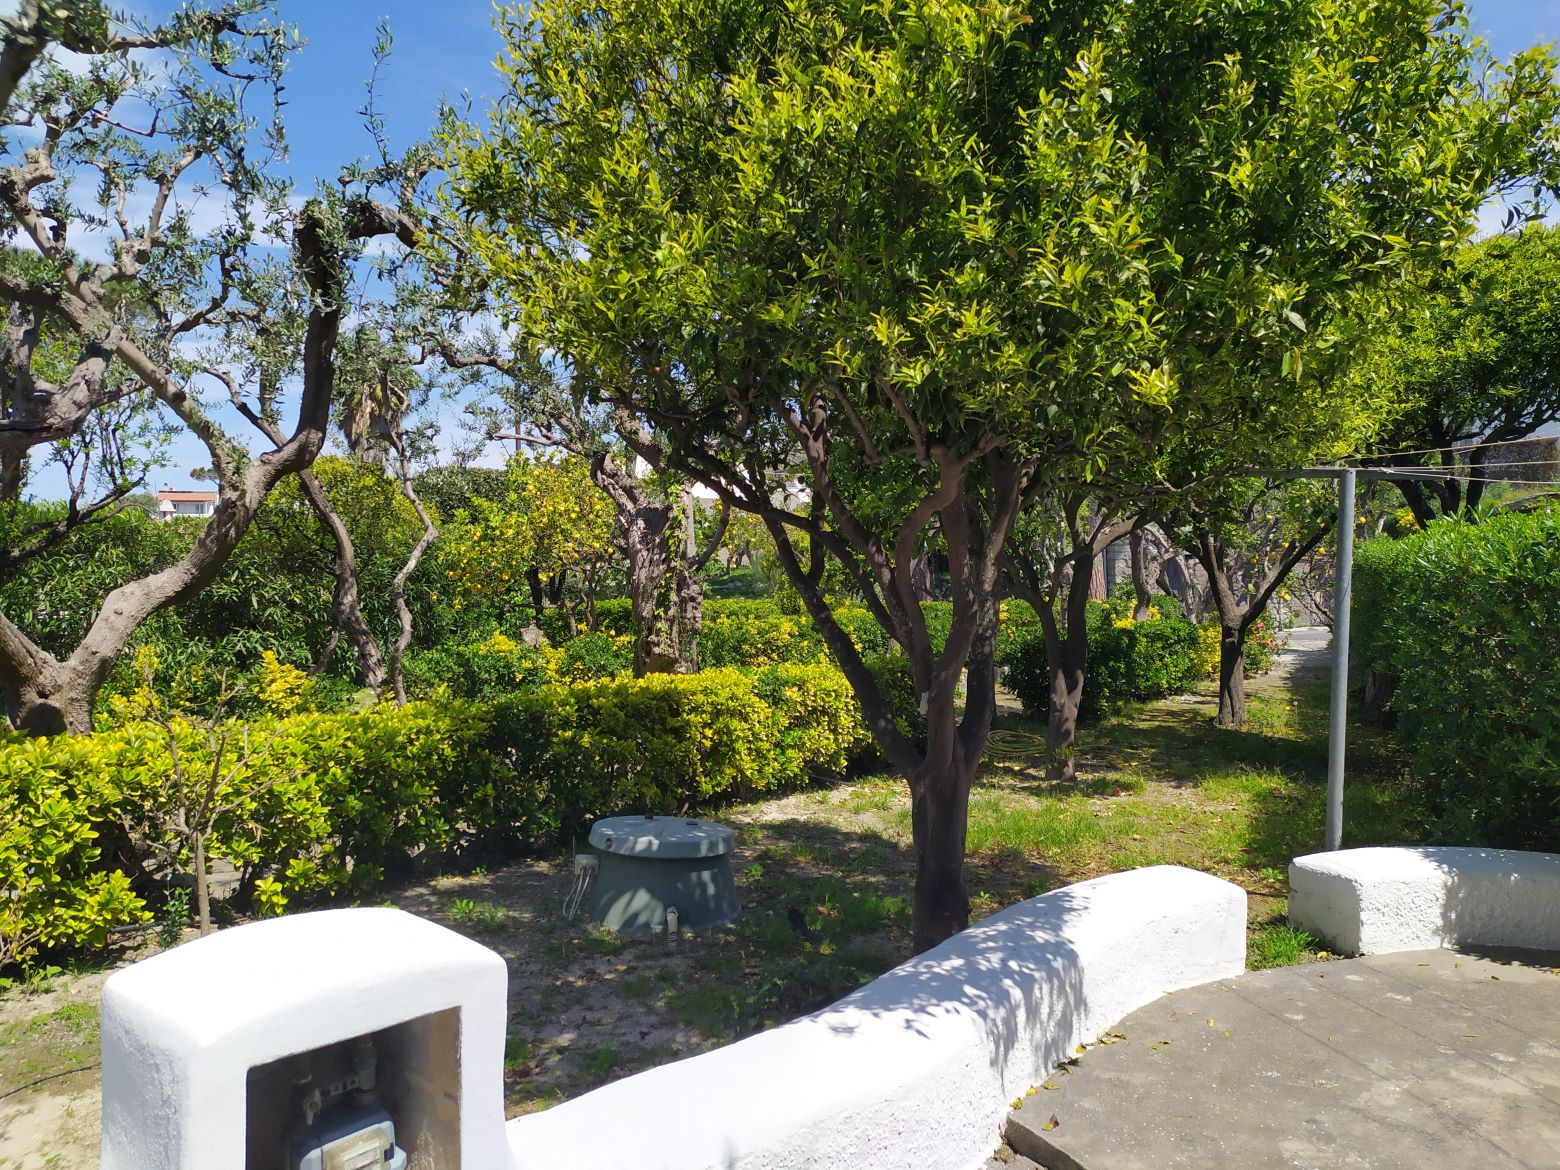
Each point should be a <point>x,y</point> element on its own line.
<point>326,803</point>
<point>54,889</point>
<point>755,634</point>
<point>320,803</point>
<point>1205,655</point>
<point>815,725</point>
<point>665,742</point>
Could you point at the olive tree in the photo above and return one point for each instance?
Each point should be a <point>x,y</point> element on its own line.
<point>881,275</point>
<point>148,144</point>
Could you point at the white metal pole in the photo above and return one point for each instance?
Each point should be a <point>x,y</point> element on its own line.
<point>1338,722</point>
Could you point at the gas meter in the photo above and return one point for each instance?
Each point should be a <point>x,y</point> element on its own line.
<point>342,1125</point>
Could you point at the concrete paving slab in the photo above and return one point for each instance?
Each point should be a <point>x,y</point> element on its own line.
<point>1422,1059</point>
<point>1006,1159</point>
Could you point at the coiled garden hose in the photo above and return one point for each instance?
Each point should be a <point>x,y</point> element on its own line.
<point>1014,745</point>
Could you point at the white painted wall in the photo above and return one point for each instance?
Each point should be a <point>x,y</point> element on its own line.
<point>912,1072</point>
<point>181,1030</point>
<point>1378,900</point>
<point>916,1070</point>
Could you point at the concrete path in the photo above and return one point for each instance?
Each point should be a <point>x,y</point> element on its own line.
<point>1427,1060</point>
<point>1305,660</point>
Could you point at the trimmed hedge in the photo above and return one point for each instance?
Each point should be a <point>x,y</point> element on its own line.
<point>1463,621</point>
<point>56,890</point>
<point>666,742</point>
<point>336,800</point>
<point>1129,661</point>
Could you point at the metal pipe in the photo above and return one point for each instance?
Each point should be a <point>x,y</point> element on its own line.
<point>1343,587</point>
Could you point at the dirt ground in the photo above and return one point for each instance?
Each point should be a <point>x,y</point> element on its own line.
<point>50,1034</point>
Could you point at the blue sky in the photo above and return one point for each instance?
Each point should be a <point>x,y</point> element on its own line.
<point>443,50</point>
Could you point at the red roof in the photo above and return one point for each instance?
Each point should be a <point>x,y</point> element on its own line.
<point>192,497</point>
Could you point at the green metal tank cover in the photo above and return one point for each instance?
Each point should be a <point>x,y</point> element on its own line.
<point>647,866</point>
<point>668,837</point>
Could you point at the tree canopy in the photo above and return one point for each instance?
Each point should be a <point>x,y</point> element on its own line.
<point>1472,357</point>
<point>931,260</point>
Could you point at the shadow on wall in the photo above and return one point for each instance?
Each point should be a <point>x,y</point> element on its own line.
<point>1025,996</point>
<point>1498,897</point>
<point>1016,966</point>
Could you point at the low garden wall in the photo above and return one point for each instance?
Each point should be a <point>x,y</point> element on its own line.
<point>1379,900</point>
<point>917,1068</point>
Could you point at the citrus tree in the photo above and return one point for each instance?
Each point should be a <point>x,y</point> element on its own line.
<point>882,274</point>
<point>1473,358</point>
<point>551,522</point>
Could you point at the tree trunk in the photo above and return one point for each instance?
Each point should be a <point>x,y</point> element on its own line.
<point>533,578</point>
<point>1067,656</point>
<point>939,823</point>
<point>202,883</point>
<point>1096,572</point>
<point>1232,676</point>
<point>346,610</point>
<point>57,700</point>
<point>649,565</point>
<point>1139,558</point>
<point>647,545</point>
<point>1418,502</point>
<point>1376,700</point>
<point>689,591</point>
<point>403,639</point>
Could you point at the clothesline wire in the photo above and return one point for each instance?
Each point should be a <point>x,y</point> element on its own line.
<point>1447,476</point>
<point>1418,468</point>
<point>1458,447</point>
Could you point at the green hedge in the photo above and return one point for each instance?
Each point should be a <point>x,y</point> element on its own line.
<point>1128,662</point>
<point>667,742</point>
<point>56,889</point>
<point>746,633</point>
<point>1465,620</point>
<point>335,800</point>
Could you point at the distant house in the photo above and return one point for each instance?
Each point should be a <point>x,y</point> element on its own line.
<point>172,503</point>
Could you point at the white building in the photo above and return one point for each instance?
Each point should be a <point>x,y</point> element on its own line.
<point>172,503</point>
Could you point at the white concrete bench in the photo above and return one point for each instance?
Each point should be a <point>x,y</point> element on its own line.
<point>188,1036</point>
<point>201,1064</point>
<point>1375,901</point>
<point>916,1069</point>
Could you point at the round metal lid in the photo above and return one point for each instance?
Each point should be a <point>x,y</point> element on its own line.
<point>670,837</point>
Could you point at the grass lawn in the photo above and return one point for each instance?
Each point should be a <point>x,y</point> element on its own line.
<point>825,876</point>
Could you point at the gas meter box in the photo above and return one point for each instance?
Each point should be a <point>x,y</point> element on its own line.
<point>360,1138</point>
<point>340,1040</point>
<point>336,1104</point>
